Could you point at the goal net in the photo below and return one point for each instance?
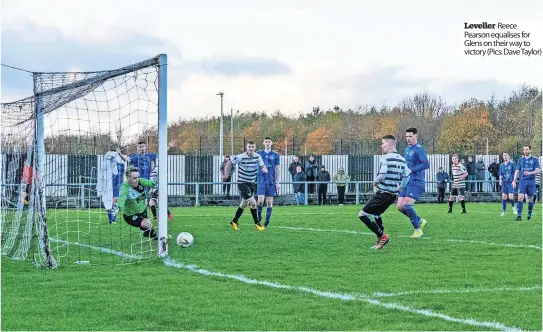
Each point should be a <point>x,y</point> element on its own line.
<point>61,169</point>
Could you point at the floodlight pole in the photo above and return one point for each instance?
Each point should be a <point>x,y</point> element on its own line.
<point>222,125</point>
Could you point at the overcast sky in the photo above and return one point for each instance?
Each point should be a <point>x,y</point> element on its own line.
<point>289,55</point>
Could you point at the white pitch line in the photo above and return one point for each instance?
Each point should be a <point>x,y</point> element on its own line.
<point>457,291</point>
<point>341,296</point>
<point>336,231</point>
<point>529,246</point>
<point>327,294</point>
<point>496,244</point>
<point>102,249</point>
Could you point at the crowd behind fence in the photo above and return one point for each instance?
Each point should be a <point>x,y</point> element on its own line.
<point>68,176</point>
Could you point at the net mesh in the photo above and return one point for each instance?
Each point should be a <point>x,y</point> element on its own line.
<point>57,214</point>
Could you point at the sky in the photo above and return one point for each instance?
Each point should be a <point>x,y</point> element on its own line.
<point>281,55</point>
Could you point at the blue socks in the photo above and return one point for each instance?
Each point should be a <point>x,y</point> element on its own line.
<point>530,209</point>
<point>259,212</point>
<point>268,215</point>
<point>504,205</point>
<point>519,208</point>
<point>410,212</point>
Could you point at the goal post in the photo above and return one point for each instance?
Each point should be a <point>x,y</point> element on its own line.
<point>163,153</point>
<point>63,134</point>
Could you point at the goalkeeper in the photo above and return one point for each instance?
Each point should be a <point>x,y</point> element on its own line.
<point>133,202</point>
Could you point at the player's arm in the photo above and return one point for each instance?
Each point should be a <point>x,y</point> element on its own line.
<point>500,174</point>
<point>123,194</point>
<point>123,156</point>
<point>383,169</point>
<point>261,164</point>
<point>148,183</point>
<point>236,159</point>
<point>423,158</point>
<point>537,167</point>
<point>464,173</point>
<point>517,173</point>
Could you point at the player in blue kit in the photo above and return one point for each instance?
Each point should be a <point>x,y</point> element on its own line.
<point>527,169</point>
<point>268,183</point>
<point>412,189</point>
<point>142,160</point>
<point>506,174</point>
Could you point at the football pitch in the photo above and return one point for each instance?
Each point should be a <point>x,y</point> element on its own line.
<point>312,269</point>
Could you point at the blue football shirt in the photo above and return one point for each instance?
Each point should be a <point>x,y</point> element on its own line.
<point>507,171</point>
<point>527,164</point>
<point>271,159</point>
<point>417,161</point>
<point>143,163</point>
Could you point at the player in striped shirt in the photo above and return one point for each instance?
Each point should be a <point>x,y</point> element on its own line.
<point>268,183</point>
<point>537,188</point>
<point>459,175</point>
<point>249,163</point>
<point>506,174</point>
<point>392,171</point>
<point>527,168</point>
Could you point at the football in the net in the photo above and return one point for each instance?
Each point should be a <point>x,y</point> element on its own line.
<point>185,239</point>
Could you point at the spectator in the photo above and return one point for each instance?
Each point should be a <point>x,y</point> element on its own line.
<point>323,176</point>
<point>494,168</point>
<point>442,179</point>
<point>26,181</point>
<point>480,174</point>
<point>470,166</point>
<point>341,180</point>
<point>292,169</point>
<point>227,170</point>
<point>299,188</point>
<point>311,170</point>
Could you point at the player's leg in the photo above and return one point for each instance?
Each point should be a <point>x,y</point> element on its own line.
<point>452,199</point>
<point>504,202</point>
<point>413,193</point>
<point>461,199</point>
<point>152,206</point>
<point>252,204</point>
<point>261,192</point>
<point>512,200</point>
<point>401,201</point>
<point>245,195</point>
<point>370,216</point>
<point>269,209</point>
<point>520,200</point>
<point>142,222</point>
<point>530,190</point>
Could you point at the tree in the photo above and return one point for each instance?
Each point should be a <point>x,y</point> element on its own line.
<point>319,141</point>
<point>253,131</point>
<point>189,140</point>
<point>461,132</point>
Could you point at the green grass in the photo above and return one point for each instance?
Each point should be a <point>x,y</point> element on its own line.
<point>306,250</point>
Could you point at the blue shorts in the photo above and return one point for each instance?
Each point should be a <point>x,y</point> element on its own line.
<point>268,190</point>
<point>526,187</point>
<point>507,188</point>
<point>412,190</point>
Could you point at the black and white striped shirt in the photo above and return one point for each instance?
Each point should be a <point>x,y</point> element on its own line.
<point>392,169</point>
<point>248,166</point>
<point>457,171</point>
<point>538,178</point>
